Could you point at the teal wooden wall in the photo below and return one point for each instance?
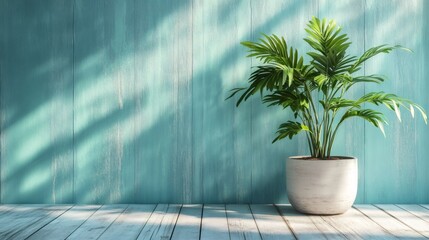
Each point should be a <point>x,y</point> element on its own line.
<point>108,101</point>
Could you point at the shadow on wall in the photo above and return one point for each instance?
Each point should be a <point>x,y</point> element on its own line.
<point>105,105</point>
<point>123,102</point>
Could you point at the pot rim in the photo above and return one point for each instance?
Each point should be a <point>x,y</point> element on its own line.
<point>341,158</point>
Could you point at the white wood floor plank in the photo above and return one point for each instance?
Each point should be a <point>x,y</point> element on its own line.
<point>407,218</point>
<point>7,208</point>
<point>241,223</point>
<point>417,210</point>
<point>130,223</point>
<point>161,223</point>
<point>46,216</point>
<point>270,224</point>
<point>19,212</point>
<point>392,225</point>
<point>302,225</point>
<point>214,225</point>
<point>65,224</point>
<point>217,222</point>
<point>26,222</point>
<point>95,225</point>
<point>326,228</point>
<point>189,223</point>
<point>354,225</point>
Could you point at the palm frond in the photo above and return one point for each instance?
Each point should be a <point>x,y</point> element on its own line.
<point>290,129</point>
<point>369,115</point>
<point>392,102</point>
<point>372,52</point>
<point>330,57</point>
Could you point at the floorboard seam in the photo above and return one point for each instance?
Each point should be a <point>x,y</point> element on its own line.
<point>153,210</point>
<point>84,221</point>
<point>113,221</point>
<point>257,227</point>
<point>201,221</point>
<point>175,223</point>
<point>397,219</point>
<point>227,221</point>
<point>48,222</point>
<point>327,222</point>
<point>412,213</point>
<point>285,220</point>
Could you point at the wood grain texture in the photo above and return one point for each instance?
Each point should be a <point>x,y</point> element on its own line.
<point>31,219</point>
<point>7,208</point>
<point>161,223</point>
<point>95,225</point>
<point>66,224</point>
<point>188,224</point>
<point>270,223</point>
<point>417,210</point>
<point>392,169</point>
<point>422,130</point>
<point>163,96</point>
<point>104,103</point>
<point>355,225</point>
<point>220,132</point>
<point>36,88</point>
<point>130,223</point>
<point>241,223</point>
<point>214,223</point>
<point>303,227</point>
<point>408,218</point>
<point>394,226</point>
<point>123,101</point>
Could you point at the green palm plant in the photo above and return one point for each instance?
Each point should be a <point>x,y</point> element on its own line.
<point>285,80</point>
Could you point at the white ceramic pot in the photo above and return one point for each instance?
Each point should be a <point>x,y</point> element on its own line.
<point>323,187</point>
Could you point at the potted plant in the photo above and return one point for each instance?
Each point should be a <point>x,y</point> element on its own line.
<point>315,93</point>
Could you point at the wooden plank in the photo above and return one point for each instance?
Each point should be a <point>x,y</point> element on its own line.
<point>2,44</point>
<point>417,210</point>
<point>189,222</point>
<point>218,63</point>
<point>241,223</point>
<point>65,224</point>
<point>104,101</point>
<point>156,94</point>
<point>95,225</point>
<point>392,225</point>
<point>161,223</point>
<point>425,206</point>
<point>398,164</point>
<point>302,226</point>
<point>214,224</point>
<point>270,224</point>
<point>163,102</point>
<point>20,216</point>
<point>23,225</point>
<point>7,208</point>
<point>182,162</point>
<point>353,224</point>
<point>130,223</point>
<point>407,218</point>
<point>36,102</point>
<point>421,59</point>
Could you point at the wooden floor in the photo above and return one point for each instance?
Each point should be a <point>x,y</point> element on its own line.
<point>165,221</point>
